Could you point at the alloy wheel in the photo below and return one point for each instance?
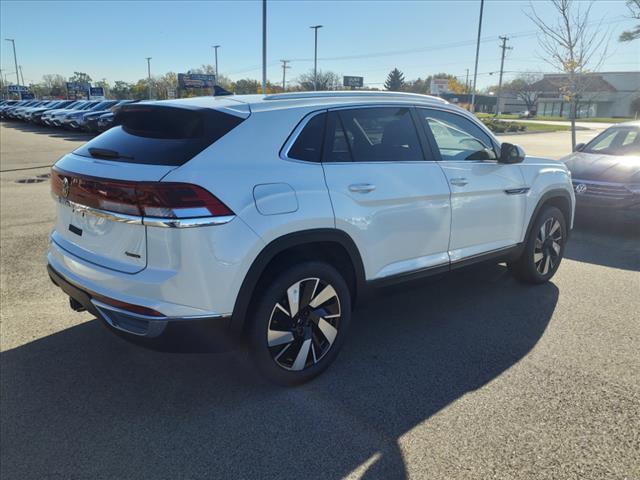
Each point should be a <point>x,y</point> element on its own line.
<point>304,324</point>
<point>548,246</point>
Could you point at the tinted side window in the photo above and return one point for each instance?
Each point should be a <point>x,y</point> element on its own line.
<point>308,145</point>
<point>457,137</point>
<point>385,134</point>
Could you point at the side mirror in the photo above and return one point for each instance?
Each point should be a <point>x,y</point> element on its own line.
<point>510,153</point>
<point>579,147</point>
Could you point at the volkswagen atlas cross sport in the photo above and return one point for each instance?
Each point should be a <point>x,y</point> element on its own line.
<point>270,215</point>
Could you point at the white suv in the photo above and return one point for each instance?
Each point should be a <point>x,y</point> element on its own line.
<point>270,215</point>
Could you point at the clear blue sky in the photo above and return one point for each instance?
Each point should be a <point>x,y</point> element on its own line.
<point>110,39</point>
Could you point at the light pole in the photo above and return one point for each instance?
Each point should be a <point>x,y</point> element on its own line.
<point>315,56</point>
<point>215,49</point>
<point>15,59</point>
<point>475,70</point>
<point>264,47</point>
<point>149,76</point>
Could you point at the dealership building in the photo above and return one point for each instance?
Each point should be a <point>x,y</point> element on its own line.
<point>604,94</point>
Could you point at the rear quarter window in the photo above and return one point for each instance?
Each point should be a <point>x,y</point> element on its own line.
<point>159,135</point>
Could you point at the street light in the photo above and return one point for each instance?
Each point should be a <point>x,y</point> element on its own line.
<point>149,75</point>
<point>215,48</point>
<point>315,56</point>
<point>15,59</point>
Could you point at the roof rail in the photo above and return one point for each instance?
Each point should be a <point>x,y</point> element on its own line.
<point>352,93</point>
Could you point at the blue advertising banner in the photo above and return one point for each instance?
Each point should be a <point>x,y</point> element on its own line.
<point>27,96</point>
<point>17,88</point>
<point>196,80</point>
<point>96,91</point>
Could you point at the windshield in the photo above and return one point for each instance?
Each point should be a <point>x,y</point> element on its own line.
<point>616,141</point>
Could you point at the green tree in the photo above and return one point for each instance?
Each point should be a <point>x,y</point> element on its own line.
<point>121,90</point>
<point>416,86</point>
<point>245,86</point>
<point>54,84</point>
<point>395,80</point>
<point>634,12</point>
<point>140,90</point>
<point>80,77</point>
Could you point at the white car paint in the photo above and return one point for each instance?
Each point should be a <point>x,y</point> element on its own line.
<point>414,217</point>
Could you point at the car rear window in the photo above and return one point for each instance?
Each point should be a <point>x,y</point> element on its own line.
<point>159,135</point>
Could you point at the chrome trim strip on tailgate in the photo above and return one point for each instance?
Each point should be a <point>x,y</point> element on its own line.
<point>113,216</point>
<point>147,221</point>
<point>186,222</point>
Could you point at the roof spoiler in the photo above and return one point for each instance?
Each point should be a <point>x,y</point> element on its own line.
<point>218,91</point>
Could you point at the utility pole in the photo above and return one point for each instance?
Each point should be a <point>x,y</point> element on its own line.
<point>215,48</point>
<point>315,57</point>
<point>284,74</point>
<point>475,70</point>
<point>504,49</point>
<point>149,76</point>
<point>22,75</point>
<point>264,47</point>
<point>15,59</point>
<point>466,83</point>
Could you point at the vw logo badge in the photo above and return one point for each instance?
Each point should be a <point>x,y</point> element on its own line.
<point>581,188</point>
<point>65,187</point>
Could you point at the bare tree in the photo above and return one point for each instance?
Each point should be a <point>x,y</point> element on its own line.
<point>326,80</point>
<point>634,12</point>
<point>571,47</point>
<point>524,89</point>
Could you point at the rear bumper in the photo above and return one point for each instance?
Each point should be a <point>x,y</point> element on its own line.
<point>121,319</point>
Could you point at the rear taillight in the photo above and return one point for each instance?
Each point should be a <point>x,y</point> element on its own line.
<point>149,199</point>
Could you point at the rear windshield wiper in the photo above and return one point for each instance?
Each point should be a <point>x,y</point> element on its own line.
<point>107,153</point>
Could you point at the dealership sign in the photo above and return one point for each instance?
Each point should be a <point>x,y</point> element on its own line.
<point>17,88</point>
<point>439,86</point>
<point>348,81</point>
<point>78,86</point>
<point>96,92</point>
<point>196,80</point>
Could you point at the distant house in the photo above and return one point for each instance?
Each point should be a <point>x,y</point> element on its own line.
<point>604,94</point>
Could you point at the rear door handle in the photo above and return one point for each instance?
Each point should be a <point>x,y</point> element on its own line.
<point>458,182</point>
<point>362,188</point>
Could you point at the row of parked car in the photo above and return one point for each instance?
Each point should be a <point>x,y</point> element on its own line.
<point>93,116</point>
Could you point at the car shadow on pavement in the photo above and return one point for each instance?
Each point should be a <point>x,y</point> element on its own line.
<point>605,242</point>
<point>52,132</point>
<point>82,403</point>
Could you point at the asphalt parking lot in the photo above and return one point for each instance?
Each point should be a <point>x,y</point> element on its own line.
<point>470,375</point>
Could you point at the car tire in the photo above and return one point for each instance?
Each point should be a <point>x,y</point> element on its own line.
<point>544,248</point>
<point>291,344</point>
